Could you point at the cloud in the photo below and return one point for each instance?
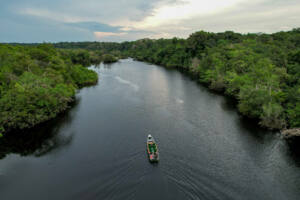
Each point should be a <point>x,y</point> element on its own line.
<point>165,14</point>
<point>119,20</point>
<point>237,15</point>
<point>36,30</point>
<point>126,28</point>
<point>100,35</point>
<point>95,26</point>
<point>109,12</point>
<point>251,16</point>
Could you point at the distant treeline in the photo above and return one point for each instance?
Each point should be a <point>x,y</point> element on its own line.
<point>261,71</point>
<point>37,82</point>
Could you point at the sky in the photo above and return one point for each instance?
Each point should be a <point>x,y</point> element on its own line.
<point>126,20</point>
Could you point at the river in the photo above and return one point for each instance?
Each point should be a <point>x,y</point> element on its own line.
<point>97,150</point>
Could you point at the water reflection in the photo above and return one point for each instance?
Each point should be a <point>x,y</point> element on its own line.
<point>208,150</point>
<point>294,150</point>
<point>41,139</point>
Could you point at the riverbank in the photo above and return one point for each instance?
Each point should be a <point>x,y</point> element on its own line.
<point>207,151</point>
<point>37,83</point>
<point>291,133</point>
<point>261,71</point>
<point>272,124</point>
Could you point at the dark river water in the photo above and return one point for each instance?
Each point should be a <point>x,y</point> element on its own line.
<point>97,149</point>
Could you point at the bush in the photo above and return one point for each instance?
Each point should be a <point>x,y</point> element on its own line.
<point>108,58</point>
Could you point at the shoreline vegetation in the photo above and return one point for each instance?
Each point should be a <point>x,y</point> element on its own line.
<point>37,82</point>
<point>261,71</point>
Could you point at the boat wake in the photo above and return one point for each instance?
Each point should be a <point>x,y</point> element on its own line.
<point>126,82</point>
<point>180,101</point>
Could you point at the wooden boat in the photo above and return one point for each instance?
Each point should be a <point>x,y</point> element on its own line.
<point>152,149</point>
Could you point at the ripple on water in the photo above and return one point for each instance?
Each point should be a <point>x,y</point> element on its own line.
<point>126,82</point>
<point>206,152</point>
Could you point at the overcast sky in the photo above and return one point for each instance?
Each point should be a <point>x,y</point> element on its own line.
<point>120,20</point>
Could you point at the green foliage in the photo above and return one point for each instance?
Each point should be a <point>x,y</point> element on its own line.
<point>89,57</point>
<point>1,131</point>
<point>262,71</point>
<point>294,115</point>
<point>108,58</point>
<point>271,116</point>
<point>36,83</point>
<point>258,70</point>
<point>78,56</point>
<point>82,76</point>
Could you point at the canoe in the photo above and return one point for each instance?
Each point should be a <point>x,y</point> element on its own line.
<point>152,149</point>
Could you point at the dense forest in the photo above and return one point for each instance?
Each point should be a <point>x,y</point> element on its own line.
<point>261,71</point>
<point>37,82</point>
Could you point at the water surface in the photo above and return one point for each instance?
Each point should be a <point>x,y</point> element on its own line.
<point>97,149</point>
